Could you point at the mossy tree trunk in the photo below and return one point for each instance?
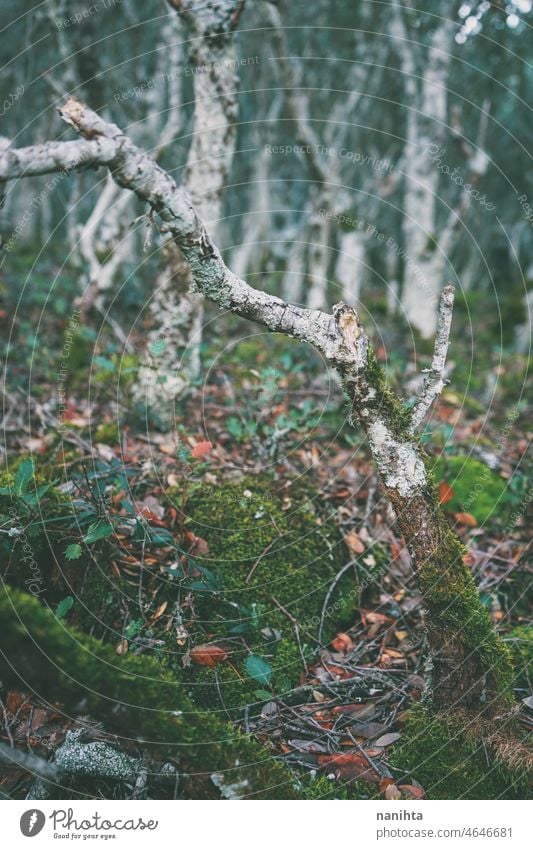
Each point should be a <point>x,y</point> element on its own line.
<point>470,667</point>
<point>136,699</point>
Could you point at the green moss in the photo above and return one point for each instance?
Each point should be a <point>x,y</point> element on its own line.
<point>261,558</point>
<point>134,696</point>
<point>261,551</point>
<point>108,433</point>
<point>450,764</point>
<point>321,788</point>
<point>476,488</point>
<point>389,406</point>
<point>456,611</point>
<point>520,643</point>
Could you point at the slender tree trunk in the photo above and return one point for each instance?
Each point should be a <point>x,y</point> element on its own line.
<point>172,358</point>
<point>350,266</point>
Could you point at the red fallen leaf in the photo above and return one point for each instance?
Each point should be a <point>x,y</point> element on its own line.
<point>354,543</point>
<point>208,655</point>
<point>343,643</point>
<point>348,765</point>
<point>446,492</point>
<point>201,448</point>
<point>411,792</point>
<point>468,559</point>
<point>466,519</point>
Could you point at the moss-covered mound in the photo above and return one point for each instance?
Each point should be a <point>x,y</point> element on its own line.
<point>262,586</point>
<point>135,698</point>
<point>455,761</point>
<point>477,489</point>
<point>262,549</point>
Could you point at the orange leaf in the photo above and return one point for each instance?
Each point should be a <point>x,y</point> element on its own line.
<point>466,519</point>
<point>446,492</point>
<point>343,643</point>
<point>208,655</point>
<point>201,448</point>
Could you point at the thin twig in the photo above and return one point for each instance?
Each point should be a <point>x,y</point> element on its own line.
<point>434,380</point>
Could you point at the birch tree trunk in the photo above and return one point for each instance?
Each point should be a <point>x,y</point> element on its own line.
<point>426,105</point>
<point>172,358</point>
<point>471,667</point>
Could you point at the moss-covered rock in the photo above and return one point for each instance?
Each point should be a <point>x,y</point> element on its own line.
<point>135,698</point>
<point>452,761</point>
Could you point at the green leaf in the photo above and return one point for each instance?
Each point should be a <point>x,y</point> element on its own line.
<point>24,475</point>
<point>133,628</point>
<point>258,669</point>
<point>98,530</point>
<point>234,427</point>
<point>73,551</point>
<point>262,695</point>
<point>64,606</point>
<point>160,537</point>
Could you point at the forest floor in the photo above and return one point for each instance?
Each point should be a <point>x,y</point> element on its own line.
<point>263,410</point>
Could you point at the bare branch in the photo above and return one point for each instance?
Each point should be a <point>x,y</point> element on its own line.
<point>55,156</point>
<point>135,170</point>
<point>434,380</point>
<point>26,760</point>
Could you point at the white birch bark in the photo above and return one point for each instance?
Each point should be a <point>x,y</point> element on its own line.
<point>172,357</point>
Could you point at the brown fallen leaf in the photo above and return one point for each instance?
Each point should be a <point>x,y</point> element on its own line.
<point>387,739</point>
<point>466,519</point>
<point>159,612</point>
<point>411,792</point>
<point>343,643</point>
<point>348,765</point>
<point>384,783</point>
<point>208,654</point>
<point>446,492</point>
<point>354,543</point>
<point>392,792</point>
<point>122,647</point>
<point>357,710</point>
<point>201,448</point>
